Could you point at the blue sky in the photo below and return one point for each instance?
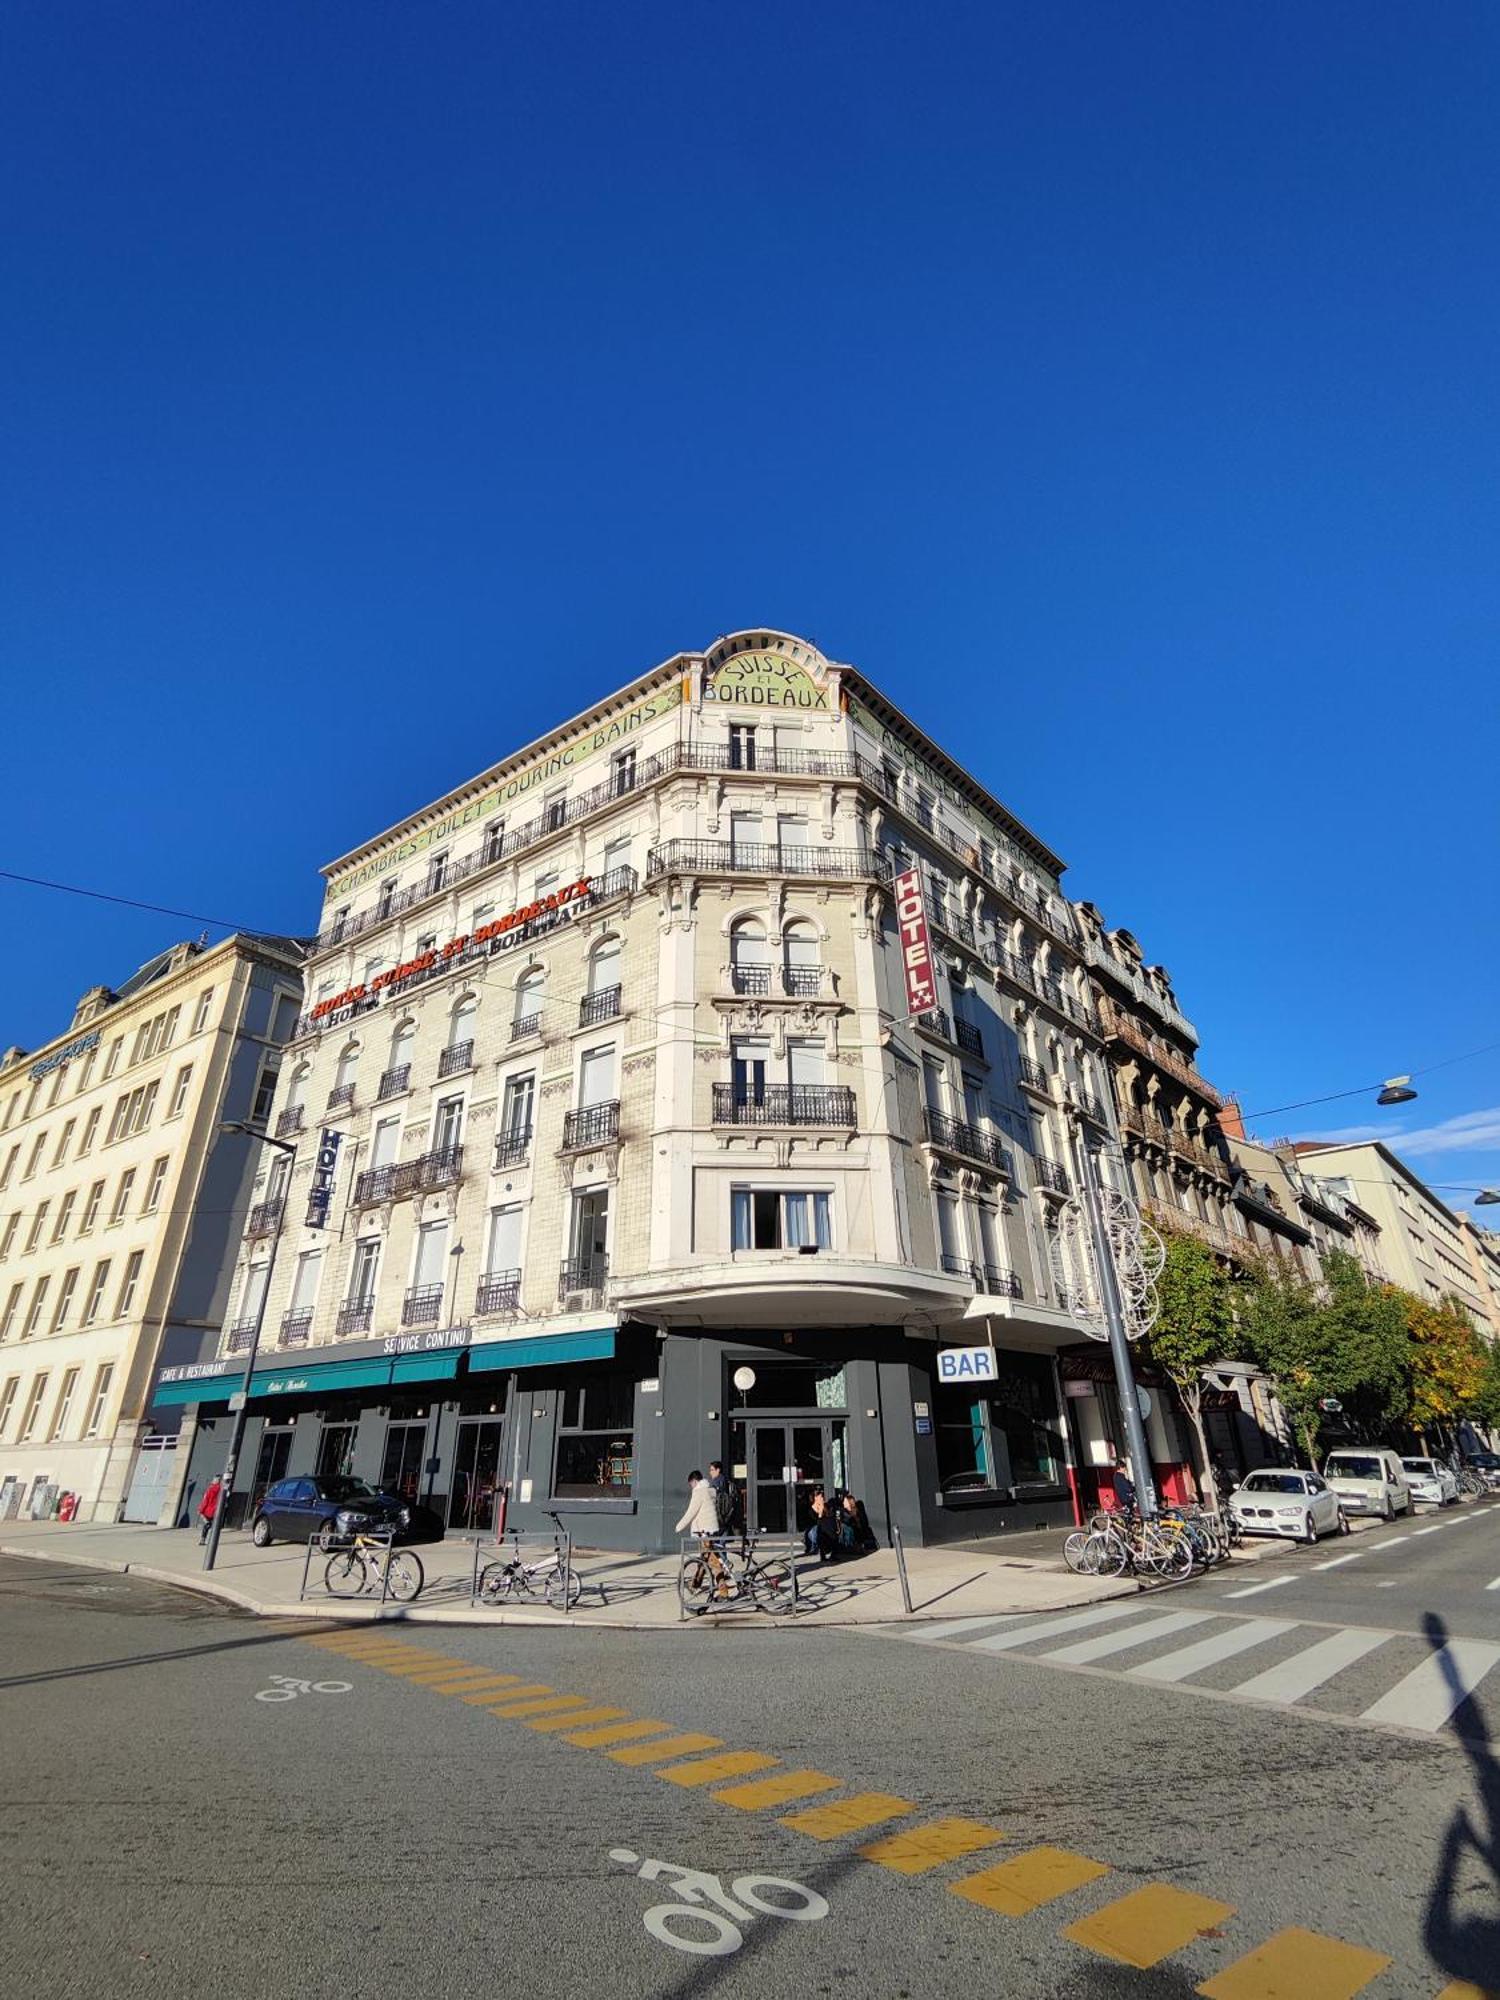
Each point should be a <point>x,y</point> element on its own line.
<point>1115,386</point>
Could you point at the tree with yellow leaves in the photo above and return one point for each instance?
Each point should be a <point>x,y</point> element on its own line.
<point>1447,1361</point>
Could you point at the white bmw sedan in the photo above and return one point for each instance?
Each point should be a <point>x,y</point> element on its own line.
<point>1299,1505</point>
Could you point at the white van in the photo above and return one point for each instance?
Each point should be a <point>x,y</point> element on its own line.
<point>1368,1480</point>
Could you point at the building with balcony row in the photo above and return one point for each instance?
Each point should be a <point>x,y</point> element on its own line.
<point>629,1153</point>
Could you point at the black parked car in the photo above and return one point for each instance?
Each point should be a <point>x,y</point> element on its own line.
<point>294,1510</point>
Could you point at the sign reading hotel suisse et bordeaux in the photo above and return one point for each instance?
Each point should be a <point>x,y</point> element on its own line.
<point>764,680</point>
<point>916,942</point>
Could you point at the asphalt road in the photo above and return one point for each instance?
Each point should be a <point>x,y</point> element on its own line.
<point>438,1829</point>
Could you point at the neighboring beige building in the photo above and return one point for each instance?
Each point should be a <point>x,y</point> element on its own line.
<point>120,1206</point>
<point>1483,1248</point>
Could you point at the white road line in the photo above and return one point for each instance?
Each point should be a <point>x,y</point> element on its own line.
<point>957,1628</point>
<point>1076,1621</point>
<point>1084,1650</point>
<point>1431,1692</point>
<point>1493,1586</point>
<point>1334,1561</point>
<point>1208,1652</point>
<point>1308,1669</point>
<point>1426,1531</point>
<point>1255,1589</point>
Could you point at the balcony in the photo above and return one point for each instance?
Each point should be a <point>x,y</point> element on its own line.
<point>512,1148</point>
<point>1035,1078</point>
<point>1093,1109</point>
<point>584,1278</point>
<point>393,1082</point>
<point>291,1120</point>
<point>239,1336</point>
<point>1053,1178</point>
<point>722,857</point>
<point>954,1135</point>
<point>457,1057</point>
<point>601,1006</point>
<point>595,1125</point>
<point>526,1027</point>
<point>422,1306</point>
<point>377,1185</point>
<point>499,1292</point>
<point>969,1038</point>
<point>999,1282</point>
<point>265,1218</point>
<point>341,1097</point>
<point>802,982</point>
<point>355,1316</point>
<point>296,1329</point>
<point>785,1104</point>
<point>936,1022</point>
<point>752,979</point>
<point>956,1266</point>
<point>1117,1025</point>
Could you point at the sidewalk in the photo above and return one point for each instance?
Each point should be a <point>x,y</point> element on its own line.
<point>619,1591</point>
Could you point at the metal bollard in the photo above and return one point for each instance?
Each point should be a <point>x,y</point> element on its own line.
<point>901,1568</point>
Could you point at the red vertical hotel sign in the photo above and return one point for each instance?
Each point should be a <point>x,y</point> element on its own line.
<point>916,942</point>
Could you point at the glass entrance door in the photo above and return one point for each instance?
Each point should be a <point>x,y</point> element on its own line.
<point>788,1462</point>
<point>476,1474</point>
<point>270,1465</point>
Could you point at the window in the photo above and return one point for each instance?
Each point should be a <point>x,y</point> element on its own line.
<point>792,839</point>
<point>65,1298</point>
<point>64,1404</point>
<point>100,1401</point>
<point>168,1030</point>
<point>35,1155</point>
<point>432,1249</point>
<point>180,1091</point>
<point>480,915</point>
<point>64,1215</point>
<point>265,1091</point>
<point>33,1408</point>
<point>604,966</point>
<point>31,1097</point>
<point>38,1300</point>
<point>8,1401</point>
<point>596,1078</point>
<point>767,1219</point>
<point>203,1009</point>
<point>154,1186</point>
<point>531,989</point>
<point>119,1120</point>
<point>130,1283</point>
<point>85,1073</point>
<point>366,1267</point>
<point>617,853</point>
<point>461,1026</point>
<point>545,882</point>
<point>386,1142</point>
<point>744,838</point>
<point>748,1058</point>
<point>622,772</point>
<point>494,840</point>
<point>86,1143</point>
<point>596,1438</point>
<point>305,1284</point>
<point>741,746</point>
<point>96,1292</point>
<point>10,1235</point>
<point>503,1249</point>
<point>749,957</point>
<point>800,968</point>
<point>91,1208</point>
<point>448,1126</point>
<point>34,1234</point>
<point>805,1060</point>
<point>112,1060</point>
<point>10,1161</point>
<point>554,810</point>
<point>516,1110</point>
<point>386,898</point>
<point>122,1196</point>
<point>62,1145</point>
<point>437,873</point>
<point>12,1307</point>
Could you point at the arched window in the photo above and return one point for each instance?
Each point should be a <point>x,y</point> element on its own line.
<point>604,965</point>
<point>749,958</point>
<point>459,1054</point>
<point>800,967</point>
<point>343,1079</point>
<point>398,1065</point>
<point>297,1094</point>
<point>531,991</point>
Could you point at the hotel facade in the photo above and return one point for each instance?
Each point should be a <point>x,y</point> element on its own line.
<point>613,1142</point>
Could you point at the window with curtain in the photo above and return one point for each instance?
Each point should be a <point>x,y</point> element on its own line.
<point>776,1219</point>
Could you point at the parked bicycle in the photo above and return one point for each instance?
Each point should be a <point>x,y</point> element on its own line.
<point>1177,1542</point>
<point>768,1581</point>
<point>550,1577</point>
<point>369,1565</point>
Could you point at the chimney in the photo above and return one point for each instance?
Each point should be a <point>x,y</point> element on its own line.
<point>1231,1124</point>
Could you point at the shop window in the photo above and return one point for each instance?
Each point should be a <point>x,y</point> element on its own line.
<point>1007,1440</point>
<point>336,1450</point>
<point>791,1385</point>
<point>596,1438</point>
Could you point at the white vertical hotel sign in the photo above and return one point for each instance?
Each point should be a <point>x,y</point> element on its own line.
<point>916,942</point>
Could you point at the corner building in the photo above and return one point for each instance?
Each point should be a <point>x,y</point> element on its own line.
<point>640,1161</point>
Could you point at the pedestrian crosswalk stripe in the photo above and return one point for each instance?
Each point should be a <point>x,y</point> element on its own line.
<point>1297,1962</point>
<point>1075,1621</point>
<point>777,1791</point>
<point>619,1732</point>
<point>710,1770</point>
<point>922,1847</point>
<point>1442,1683</point>
<point>1082,1651</point>
<point>539,1705</point>
<point>1307,1670</point>
<point>1040,1876</point>
<point>514,1694</point>
<point>659,1752</point>
<point>1149,1924</point>
<point>1208,1652</point>
<point>964,1628</point>
<point>549,1723</point>
<point>848,1815</point>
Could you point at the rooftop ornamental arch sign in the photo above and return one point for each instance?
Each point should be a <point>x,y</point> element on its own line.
<point>769,671</point>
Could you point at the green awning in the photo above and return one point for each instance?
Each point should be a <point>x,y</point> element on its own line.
<point>427,1367</point>
<point>545,1351</point>
<point>198,1389</point>
<point>320,1375</point>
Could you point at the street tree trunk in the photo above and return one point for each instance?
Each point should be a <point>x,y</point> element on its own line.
<point>1192,1401</point>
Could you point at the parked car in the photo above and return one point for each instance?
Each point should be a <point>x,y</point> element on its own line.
<point>1368,1480</point>
<point>1299,1505</point>
<point>1429,1479</point>
<point>1487,1465</point>
<point>294,1510</point>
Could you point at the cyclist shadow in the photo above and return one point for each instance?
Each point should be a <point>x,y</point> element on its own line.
<point>1466,1943</point>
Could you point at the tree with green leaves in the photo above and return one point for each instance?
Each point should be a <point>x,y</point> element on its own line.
<point>1194,1327</point>
<point>1447,1362</point>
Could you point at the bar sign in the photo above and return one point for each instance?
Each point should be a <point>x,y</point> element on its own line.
<point>916,942</point>
<point>320,1195</point>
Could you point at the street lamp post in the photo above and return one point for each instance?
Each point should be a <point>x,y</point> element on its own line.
<point>1119,1340</point>
<point>242,1400</point>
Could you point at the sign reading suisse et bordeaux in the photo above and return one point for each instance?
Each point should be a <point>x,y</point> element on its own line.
<point>499,936</point>
<point>966,1364</point>
<point>916,942</point>
<point>763,680</point>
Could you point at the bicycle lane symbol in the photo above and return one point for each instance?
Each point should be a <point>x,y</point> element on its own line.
<point>691,1926</point>
<point>286,1687</point>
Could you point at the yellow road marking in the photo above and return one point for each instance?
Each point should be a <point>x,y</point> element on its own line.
<point>538,1705</point>
<point>388,1649</point>
<point>1040,1876</point>
<point>777,1791</point>
<point>849,1815</point>
<point>924,1847</point>
<point>520,1688</point>
<point>420,1669</point>
<point>669,1746</point>
<point>709,1770</point>
<point>1463,1989</point>
<point>619,1732</point>
<point>577,1716</point>
<point>474,1684</point>
<point>1297,1965</point>
<point>1149,1924</point>
<point>453,1677</point>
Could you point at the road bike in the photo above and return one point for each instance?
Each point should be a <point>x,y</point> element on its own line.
<point>551,1576</point>
<point>370,1565</point>
<point>768,1581</point>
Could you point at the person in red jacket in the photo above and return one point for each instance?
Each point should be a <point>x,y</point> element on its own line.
<point>208,1506</point>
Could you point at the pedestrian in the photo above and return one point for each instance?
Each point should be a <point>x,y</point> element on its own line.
<point>1124,1487</point>
<point>821,1538</point>
<point>724,1495</point>
<point>855,1537</point>
<point>702,1519</point>
<point>208,1506</point>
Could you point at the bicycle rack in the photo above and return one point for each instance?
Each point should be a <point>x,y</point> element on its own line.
<point>690,1549</point>
<point>316,1545</point>
<point>514,1543</point>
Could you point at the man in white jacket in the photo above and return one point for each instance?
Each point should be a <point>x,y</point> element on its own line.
<point>702,1520</point>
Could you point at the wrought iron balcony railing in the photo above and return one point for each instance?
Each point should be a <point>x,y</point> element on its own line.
<point>1092,1108</point>
<point>586,1275</point>
<point>393,1082</point>
<point>238,1336</point>
<point>458,1056</point>
<point>754,979</point>
<point>936,1022</point>
<point>354,1316</point>
<point>999,1282</point>
<point>499,1292</point>
<point>595,1125</point>
<point>1035,1077</point>
<point>296,1329</point>
<point>529,1024</point>
<point>968,1038</point>
<point>407,1177</point>
<point>1050,1175</point>
<point>784,1104</point>
<point>422,1306</point>
<point>954,1135</point>
<point>802,982</point>
<point>511,1148</point>
<point>341,1096</point>
<point>723,857</point>
<point>265,1218</point>
<point>601,1006</point>
<point>289,1121</point>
